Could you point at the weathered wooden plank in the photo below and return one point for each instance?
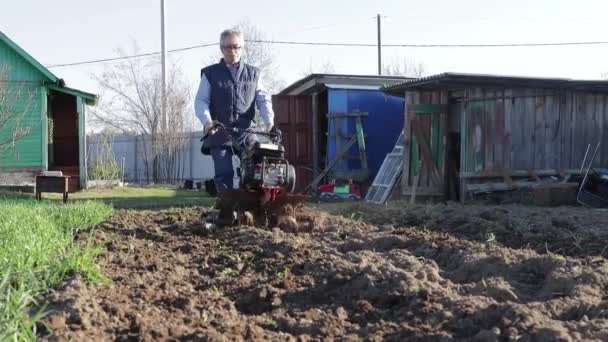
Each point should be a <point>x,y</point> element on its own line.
<point>579,142</point>
<point>407,142</point>
<point>508,135</point>
<point>425,97</point>
<point>463,145</point>
<point>561,127</point>
<point>518,173</point>
<point>424,128</point>
<point>485,187</point>
<point>516,129</point>
<point>499,131</point>
<point>430,108</point>
<point>428,161</point>
<point>490,137</point>
<point>597,133</point>
<point>464,107</point>
<point>568,124</point>
<point>434,97</point>
<point>444,140</point>
<point>485,129</point>
<point>519,129</point>
<point>546,128</point>
<point>584,121</point>
<point>604,131</point>
<point>529,124</point>
<point>435,128</point>
<point>539,132</point>
<point>549,122</point>
<point>551,138</point>
<point>477,132</point>
<point>444,151</point>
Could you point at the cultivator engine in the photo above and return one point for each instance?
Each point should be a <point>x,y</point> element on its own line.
<point>265,195</point>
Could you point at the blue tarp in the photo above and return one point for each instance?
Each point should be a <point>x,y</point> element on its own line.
<point>382,125</point>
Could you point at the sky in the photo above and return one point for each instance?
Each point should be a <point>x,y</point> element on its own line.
<point>66,31</point>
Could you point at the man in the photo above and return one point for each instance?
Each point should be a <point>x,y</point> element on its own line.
<point>228,93</point>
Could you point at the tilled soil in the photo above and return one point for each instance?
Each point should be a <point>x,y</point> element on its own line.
<point>362,273</point>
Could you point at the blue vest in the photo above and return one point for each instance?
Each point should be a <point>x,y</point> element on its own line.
<point>232,100</point>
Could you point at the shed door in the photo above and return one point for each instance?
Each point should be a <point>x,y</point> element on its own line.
<point>293,116</point>
<point>425,150</point>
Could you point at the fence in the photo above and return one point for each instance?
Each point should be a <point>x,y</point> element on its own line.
<point>136,151</point>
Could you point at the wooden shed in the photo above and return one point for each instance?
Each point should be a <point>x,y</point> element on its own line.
<point>53,114</point>
<point>304,112</point>
<point>468,133</point>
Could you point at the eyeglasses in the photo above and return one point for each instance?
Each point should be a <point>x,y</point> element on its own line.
<point>231,47</point>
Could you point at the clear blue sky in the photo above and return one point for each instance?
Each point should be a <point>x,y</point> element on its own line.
<point>64,31</point>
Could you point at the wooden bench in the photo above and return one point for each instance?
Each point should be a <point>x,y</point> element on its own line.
<point>54,183</point>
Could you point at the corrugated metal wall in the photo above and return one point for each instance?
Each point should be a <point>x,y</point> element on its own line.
<point>531,129</point>
<point>293,116</point>
<point>28,152</point>
<point>192,164</point>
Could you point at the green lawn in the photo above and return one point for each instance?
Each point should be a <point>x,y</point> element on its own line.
<point>37,251</point>
<point>135,197</point>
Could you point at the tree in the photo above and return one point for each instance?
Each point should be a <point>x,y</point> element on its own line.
<point>403,67</point>
<point>131,103</point>
<point>326,68</point>
<point>16,99</point>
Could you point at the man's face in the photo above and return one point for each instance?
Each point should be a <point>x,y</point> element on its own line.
<point>231,49</point>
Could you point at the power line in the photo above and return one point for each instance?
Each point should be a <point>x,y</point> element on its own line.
<point>281,42</point>
<point>131,56</point>
<point>429,45</point>
<point>493,45</point>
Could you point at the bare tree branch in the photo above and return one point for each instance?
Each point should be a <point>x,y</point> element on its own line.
<point>130,102</point>
<point>326,68</point>
<point>404,67</point>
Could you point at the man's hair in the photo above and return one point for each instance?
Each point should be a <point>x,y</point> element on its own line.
<point>230,32</point>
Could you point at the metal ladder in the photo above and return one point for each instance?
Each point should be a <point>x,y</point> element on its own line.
<point>388,174</point>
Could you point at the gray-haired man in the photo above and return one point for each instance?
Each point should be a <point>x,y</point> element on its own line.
<point>228,93</point>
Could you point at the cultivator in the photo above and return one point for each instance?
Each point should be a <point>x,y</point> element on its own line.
<point>265,195</point>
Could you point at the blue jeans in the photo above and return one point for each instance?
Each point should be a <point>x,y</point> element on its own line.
<point>224,169</point>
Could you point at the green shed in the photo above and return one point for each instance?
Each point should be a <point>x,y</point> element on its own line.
<point>50,117</point>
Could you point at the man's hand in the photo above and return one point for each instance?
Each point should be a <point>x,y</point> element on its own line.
<point>268,127</point>
<point>211,128</point>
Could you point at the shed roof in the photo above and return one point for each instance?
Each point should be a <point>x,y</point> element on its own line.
<point>461,80</point>
<point>58,84</point>
<point>316,82</point>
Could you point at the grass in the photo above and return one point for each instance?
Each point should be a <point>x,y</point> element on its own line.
<point>134,197</point>
<point>37,251</point>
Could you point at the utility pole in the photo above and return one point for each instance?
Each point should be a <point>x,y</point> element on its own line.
<point>163,114</point>
<point>379,45</point>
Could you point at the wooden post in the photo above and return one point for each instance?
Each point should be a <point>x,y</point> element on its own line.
<point>337,136</point>
<point>315,134</point>
<point>415,182</point>
<point>191,157</point>
<point>135,159</point>
<point>407,142</point>
<point>122,176</point>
